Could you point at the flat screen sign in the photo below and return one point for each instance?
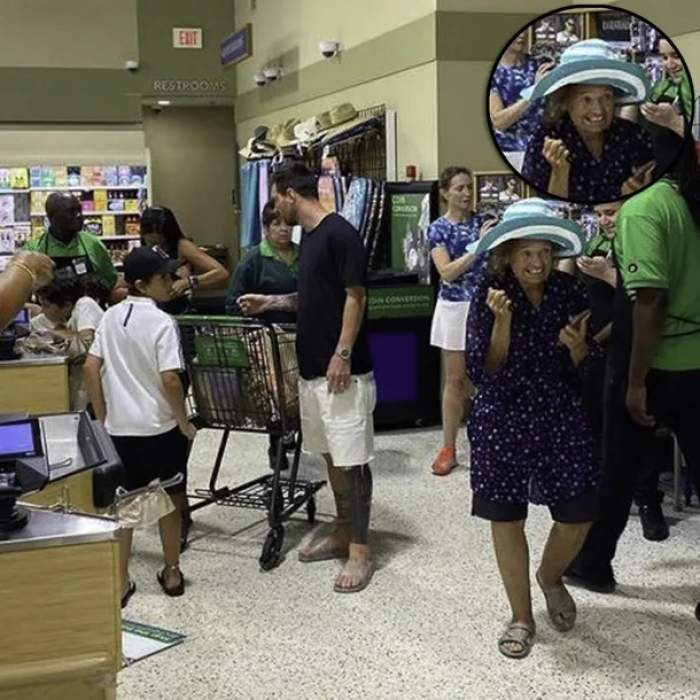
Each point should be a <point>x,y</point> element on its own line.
<point>237,46</point>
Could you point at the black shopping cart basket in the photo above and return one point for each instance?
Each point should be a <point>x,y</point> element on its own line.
<point>243,377</point>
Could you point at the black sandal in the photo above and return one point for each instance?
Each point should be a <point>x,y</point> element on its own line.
<point>129,592</point>
<point>176,590</point>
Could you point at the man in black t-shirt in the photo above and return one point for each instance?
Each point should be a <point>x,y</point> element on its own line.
<point>337,392</point>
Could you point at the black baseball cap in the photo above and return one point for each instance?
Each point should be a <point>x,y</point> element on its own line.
<point>143,263</point>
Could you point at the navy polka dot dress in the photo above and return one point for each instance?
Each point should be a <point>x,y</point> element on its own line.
<point>530,435</point>
<point>591,180</point>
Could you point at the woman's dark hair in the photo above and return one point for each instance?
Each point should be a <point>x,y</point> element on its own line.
<point>162,220</point>
<point>296,176</point>
<point>61,292</point>
<point>449,172</point>
<point>687,174</point>
<point>269,215</point>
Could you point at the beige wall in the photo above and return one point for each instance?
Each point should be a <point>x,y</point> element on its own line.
<point>78,146</point>
<point>68,33</point>
<point>412,93</point>
<point>192,169</point>
<point>290,30</point>
<point>463,134</point>
<point>689,46</point>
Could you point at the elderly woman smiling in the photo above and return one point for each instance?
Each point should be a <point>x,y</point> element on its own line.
<point>531,441</point>
<point>582,151</point>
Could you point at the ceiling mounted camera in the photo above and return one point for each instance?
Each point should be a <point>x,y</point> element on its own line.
<point>272,74</point>
<point>132,66</point>
<point>260,79</point>
<point>329,49</point>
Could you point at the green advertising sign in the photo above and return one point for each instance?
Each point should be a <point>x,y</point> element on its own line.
<point>400,302</point>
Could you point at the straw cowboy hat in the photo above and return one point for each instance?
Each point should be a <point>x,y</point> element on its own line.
<point>593,62</point>
<point>533,219</point>
<point>259,146</point>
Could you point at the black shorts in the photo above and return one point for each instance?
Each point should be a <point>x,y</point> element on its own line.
<point>582,509</point>
<point>146,458</point>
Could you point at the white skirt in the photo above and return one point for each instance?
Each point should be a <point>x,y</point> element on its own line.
<point>449,328</point>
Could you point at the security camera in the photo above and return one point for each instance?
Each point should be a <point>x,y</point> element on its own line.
<point>272,74</point>
<point>132,66</point>
<point>260,79</point>
<point>329,49</point>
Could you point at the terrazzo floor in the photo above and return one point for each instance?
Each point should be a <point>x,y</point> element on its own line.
<point>427,625</point>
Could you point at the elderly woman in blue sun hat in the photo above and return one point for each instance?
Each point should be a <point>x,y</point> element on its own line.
<point>582,151</point>
<point>531,442</point>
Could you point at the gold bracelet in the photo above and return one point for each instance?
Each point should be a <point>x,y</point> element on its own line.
<point>25,268</point>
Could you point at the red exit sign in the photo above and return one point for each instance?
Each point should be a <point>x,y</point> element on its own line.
<point>187,38</point>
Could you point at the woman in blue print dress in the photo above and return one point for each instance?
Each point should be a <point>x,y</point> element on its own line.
<point>448,238</point>
<point>531,440</point>
<point>514,118</point>
<point>583,151</point>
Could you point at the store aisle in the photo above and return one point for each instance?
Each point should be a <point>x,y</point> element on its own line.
<point>426,627</point>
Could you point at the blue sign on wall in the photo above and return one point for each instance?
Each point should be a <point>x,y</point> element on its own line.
<point>237,46</point>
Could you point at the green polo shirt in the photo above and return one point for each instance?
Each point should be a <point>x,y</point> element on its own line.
<point>600,243</point>
<point>683,90</point>
<point>267,251</point>
<point>82,244</point>
<point>658,246</point>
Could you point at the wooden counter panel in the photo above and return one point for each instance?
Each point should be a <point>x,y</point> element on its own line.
<point>61,602</point>
<point>34,389</point>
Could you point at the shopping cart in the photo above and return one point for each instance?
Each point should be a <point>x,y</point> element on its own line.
<point>243,377</point>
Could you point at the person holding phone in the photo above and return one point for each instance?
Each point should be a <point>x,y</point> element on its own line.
<point>448,238</point>
<point>528,342</point>
<point>582,151</point>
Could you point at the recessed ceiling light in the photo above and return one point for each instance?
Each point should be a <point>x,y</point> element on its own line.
<point>164,102</point>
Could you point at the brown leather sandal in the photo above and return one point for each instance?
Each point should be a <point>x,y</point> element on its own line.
<point>175,591</point>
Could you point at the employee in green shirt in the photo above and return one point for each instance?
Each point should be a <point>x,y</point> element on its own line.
<point>658,249</point>
<point>76,253</point>
<point>675,86</point>
<point>268,268</point>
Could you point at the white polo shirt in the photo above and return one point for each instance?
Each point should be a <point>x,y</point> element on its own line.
<point>136,342</point>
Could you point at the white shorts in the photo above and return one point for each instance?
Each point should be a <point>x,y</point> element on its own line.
<point>339,424</point>
<point>449,328</point>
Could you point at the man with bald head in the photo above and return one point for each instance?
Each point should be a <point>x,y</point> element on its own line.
<point>76,253</point>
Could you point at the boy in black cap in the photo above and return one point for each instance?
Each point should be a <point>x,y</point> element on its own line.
<point>132,376</point>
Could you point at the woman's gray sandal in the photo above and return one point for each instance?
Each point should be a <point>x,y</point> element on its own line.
<point>518,634</point>
<point>561,607</point>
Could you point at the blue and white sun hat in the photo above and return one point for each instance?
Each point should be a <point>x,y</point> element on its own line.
<point>593,62</point>
<point>536,220</point>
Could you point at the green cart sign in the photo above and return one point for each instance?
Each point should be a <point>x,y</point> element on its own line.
<point>221,352</point>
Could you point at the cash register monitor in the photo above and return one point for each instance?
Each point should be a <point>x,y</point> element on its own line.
<point>20,439</point>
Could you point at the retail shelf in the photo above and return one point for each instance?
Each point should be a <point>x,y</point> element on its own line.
<point>119,238</point>
<point>15,223</point>
<point>101,213</point>
<point>82,188</point>
<point>15,191</point>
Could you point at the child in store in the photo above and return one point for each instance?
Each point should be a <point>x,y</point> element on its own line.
<point>67,322</point>
<point>132,375</point>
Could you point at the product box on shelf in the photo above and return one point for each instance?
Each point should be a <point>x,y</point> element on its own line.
<point>111,176</point>
<point>7,209</point>
<point>48,177</point>
<point>124,172</point>
<point>93,224</point>
<point>19,178</point>
<point>109,225</point>
<point>100,200</point>
<point>60,176</point>
<point>73,175</point>
<point>132,226</point>
<point>4,179</point>
<point>35,176</point>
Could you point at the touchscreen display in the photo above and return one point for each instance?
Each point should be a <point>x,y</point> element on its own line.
<point>17,439</point>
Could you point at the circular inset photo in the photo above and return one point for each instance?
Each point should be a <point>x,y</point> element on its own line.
<point>590,105</point>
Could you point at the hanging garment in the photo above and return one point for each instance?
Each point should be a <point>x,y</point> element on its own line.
<point>250,215</point>
<point>263,186</point>
<point>354,206</point>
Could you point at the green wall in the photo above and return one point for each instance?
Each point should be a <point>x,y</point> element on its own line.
<point>85,94</point>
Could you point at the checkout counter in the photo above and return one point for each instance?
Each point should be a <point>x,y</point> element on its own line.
<point>30,383</point>
<point>59,571</point>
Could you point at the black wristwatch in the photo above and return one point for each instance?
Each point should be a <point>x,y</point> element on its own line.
<point>343,353</point>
